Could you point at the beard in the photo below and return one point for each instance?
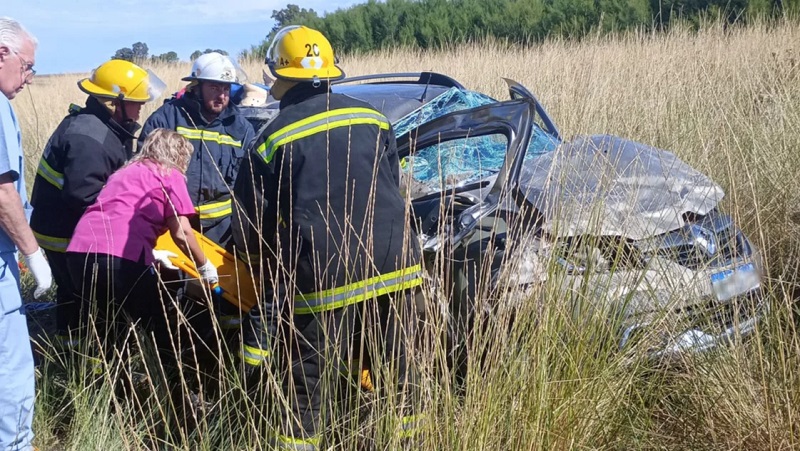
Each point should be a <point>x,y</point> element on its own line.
<point>214,106</point>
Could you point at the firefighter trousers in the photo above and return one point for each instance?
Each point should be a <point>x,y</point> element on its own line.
<point>67,301</point>
<point>319,358</point>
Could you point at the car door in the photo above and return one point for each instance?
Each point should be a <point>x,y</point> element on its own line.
<point>511,120</point>
<point>542,119</point>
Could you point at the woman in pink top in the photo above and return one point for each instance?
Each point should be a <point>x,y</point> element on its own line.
<point>110,255</point>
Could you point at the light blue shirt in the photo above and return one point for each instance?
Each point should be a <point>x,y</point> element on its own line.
<point>11,161</point>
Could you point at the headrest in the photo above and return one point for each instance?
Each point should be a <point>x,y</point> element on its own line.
<point>254,96</point>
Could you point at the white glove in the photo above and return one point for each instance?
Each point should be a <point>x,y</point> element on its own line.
<point>208,272</point>
<point>162,257</point>
<point>40,269</point>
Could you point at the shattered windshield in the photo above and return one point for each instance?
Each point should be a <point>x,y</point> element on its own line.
<point>459,161</point>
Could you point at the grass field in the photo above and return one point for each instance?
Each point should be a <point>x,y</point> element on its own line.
<point>724,99</point>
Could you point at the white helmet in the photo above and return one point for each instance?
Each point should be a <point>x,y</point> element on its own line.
<point>216,67</point>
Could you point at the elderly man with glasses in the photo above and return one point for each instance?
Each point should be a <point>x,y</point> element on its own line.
<point>17,48</point>
<point>27,69</point>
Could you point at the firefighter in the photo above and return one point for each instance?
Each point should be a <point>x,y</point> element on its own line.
<point>219,133</point>
<point>320,190</point>
<point>205,115</point>
<point>89,144</point>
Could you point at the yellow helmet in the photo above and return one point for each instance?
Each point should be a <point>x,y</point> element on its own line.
<point>299,53</point>
<point>120,79</point>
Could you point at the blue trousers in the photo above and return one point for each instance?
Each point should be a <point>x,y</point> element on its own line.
<point>16,362</point>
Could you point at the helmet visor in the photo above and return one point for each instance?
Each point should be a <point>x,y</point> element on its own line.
<point>155,86</point>
<point>272,50</point>
<point>241,75</point>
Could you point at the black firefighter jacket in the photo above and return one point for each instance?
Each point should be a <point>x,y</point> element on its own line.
<point>320,188</point>
<point>219,147</point>
<point>86,148</point>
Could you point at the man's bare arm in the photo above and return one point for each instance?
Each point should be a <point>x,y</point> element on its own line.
<point>12,217</point>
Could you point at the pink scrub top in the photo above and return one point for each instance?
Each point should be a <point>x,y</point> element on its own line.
<point>131,212</point>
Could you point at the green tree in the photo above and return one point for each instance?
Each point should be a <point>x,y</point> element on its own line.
<point>385,24</point>
<point>124,53</point>
<point>196,54</point>
<point>291,15</point>
<point>140,51</point>
<point>168,57</point>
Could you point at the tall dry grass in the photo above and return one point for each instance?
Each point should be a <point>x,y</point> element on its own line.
<point>724,99</point>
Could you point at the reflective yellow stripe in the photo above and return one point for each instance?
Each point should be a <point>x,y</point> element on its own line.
<point>230,321</point>
<point>411,425</point>
<point>52,176</point>
<point>52,243</point>
<point>296,444</point>
<point>214,209</point>
<point>254,356</point>
<point>348,368</point>
<point>327,120</point>
<point>359,291</point>
<point>95,365</point>
<point>208,135</point>
<point>67,342</point>
<point>248,258</point>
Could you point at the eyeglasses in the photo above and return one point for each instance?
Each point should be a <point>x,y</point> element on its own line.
<point>27,68</point>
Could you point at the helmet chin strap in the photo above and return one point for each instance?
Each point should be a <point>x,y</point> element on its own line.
<point>127,123</point>
<point>125,117</point>
<point>197,89</point>
<point>199,93</point>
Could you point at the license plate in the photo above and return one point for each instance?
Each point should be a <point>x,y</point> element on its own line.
<point>734,282</point>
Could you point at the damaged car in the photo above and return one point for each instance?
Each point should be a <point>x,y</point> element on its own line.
<point>503,205</point>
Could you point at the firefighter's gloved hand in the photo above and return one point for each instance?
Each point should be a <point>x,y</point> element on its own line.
<point>40,269</point>
<point>162,257</point>
<point>208,272</point>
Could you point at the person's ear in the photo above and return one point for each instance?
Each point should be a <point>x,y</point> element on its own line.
<point>4,52</point>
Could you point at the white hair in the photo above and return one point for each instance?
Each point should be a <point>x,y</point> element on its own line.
<point>13,35</point>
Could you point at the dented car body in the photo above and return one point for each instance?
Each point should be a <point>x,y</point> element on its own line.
<point>510,206</point>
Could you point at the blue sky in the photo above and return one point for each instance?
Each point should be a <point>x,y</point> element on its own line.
<point>78,35</point>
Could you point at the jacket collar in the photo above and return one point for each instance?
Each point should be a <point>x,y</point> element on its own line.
<point>124,132</point>
<point>303,91</point>
<point>191,102</point>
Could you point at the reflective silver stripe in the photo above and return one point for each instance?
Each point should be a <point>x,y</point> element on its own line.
<point>244,256</point>
<point>230,321</point>
<point>289,443</point>
<point>52,176</point>
<point>66,342</point>
<point>411,424</point>
<point>350,367</point>
<point>318,123</point>
<point>51,243</point>
<point>254,356</point>
<point>95,365</point>
<point>208,135</point>
<point>357,292</point>
<point>214,210</point>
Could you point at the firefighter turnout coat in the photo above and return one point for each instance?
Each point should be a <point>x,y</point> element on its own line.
<point>86,148</point>
<point>219,147</point>
<point>320,188</point>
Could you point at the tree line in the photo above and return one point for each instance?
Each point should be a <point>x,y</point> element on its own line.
<point>435,23</point>
<point>139,53</point>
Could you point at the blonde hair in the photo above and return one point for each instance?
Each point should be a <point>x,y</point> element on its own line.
<point>166,149</point>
